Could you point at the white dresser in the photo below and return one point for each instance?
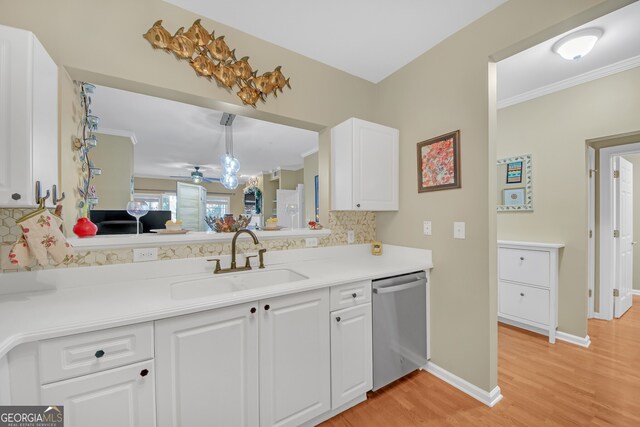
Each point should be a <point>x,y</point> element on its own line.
<point>528,285</point>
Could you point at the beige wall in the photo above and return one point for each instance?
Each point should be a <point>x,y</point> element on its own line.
<point>635,161</point>
<point>114,155</point>
<point>446,89</point>
<point>151,185</point>
<point>554,129</point>
<point>289,180</point>
<point>114,53</point>
<point>310,172</point>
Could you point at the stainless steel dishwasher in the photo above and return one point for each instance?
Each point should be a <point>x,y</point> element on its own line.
<point>399,326</point>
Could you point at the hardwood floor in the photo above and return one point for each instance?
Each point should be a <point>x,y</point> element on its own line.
<point>542,384</point>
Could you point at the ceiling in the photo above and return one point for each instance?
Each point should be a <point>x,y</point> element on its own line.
<point>367,38</point>
<point>538,71</point>
<point>172,137</point>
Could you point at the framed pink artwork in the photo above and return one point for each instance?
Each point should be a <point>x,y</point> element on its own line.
<point>439,163</point>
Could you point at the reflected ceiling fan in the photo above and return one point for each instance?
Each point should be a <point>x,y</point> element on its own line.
<point>196,177</point>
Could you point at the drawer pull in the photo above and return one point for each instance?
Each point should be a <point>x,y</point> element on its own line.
<point>521,258</point>
<point>144,372</point>
<point>354,294</point>
<point>267,307</point>
<point>99,354</point>
<point>253,310</point>
<point>521,294</point>
<point>338,319</point>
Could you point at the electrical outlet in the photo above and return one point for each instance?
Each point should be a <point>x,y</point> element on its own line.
<point>426,228</point>
<point>351,236</point>
<point>459,230</point>
<point>311,242</point>
<point>145,254</point>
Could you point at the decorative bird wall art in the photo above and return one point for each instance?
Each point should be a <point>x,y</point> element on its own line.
<point>211,58</point>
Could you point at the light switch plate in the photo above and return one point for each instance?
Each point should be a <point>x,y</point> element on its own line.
<point>145,254</point>
<point>426,228</point>
<point>311,242</point>
<point>351,236</point>
<point>459,230</point>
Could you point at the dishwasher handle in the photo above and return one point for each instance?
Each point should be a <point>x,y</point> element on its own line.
<point>402,287</point>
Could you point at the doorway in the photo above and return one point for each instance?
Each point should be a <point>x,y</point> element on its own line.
<point>611,254</point>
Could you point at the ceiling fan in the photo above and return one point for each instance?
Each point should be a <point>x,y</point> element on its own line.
<point>197,177</point>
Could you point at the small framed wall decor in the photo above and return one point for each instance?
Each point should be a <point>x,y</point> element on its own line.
<point>514,172</point>
<point>439,163</point>
<point>513,197</point>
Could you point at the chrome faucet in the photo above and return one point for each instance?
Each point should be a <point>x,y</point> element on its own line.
<point>247,264</point>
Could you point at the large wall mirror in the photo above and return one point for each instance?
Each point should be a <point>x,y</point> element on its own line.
<point>168,154</point>
<point>515,189</point>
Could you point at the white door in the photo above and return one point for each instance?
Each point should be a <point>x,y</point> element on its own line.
<point>351,354</point>
<point>207,368</point>
<point>121,397</point>
<point>294,358</point>
<point>191,205</point>
<point>623,246</point>
<point>375,167</point>
<point>591,209</point>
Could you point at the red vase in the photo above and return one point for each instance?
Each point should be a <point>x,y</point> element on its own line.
<point>85,228</point>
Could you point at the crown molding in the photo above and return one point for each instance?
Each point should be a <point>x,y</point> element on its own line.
<point>599,73</point>
<point>310,152</point>
<point>118,132</point>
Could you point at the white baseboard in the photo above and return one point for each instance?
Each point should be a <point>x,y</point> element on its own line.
<point>574,339</point>
<point>488,398</point>
<point>635,292</point>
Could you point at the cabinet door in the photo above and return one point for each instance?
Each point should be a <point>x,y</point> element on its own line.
<point>294,358</point>
<point>351,354</point>
<point>121,397</point>
<point>375,167</point>
<point>207,368</point>
<point>15,131</point>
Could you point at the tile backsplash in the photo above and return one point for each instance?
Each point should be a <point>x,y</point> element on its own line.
<point>362,223</point>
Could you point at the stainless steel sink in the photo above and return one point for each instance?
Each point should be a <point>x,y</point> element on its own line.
<point>223,284</point>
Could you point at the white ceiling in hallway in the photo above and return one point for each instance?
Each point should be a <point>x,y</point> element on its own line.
<point>538,71</point>
<point>173,137</point>
<point>367,38</point>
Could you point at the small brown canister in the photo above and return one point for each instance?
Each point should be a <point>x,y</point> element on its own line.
<point>376,248</point>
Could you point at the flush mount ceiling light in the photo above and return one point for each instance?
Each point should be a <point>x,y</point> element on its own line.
<point>576,45</point>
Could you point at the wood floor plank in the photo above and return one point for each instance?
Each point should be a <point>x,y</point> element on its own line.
<point>543,385</point>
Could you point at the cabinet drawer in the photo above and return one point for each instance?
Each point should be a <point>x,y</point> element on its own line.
<point>75,355</point>
<point>524,302</point>
<point>350,294</point>
<point>524,266</point>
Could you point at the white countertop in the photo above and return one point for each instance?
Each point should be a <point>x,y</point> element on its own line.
<point>541,245</point>
<point>69,301</point>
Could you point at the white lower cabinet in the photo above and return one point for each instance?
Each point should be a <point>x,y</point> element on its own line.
<point>209,364</point>
<point>351,358</point>
<point>207,368</point>
<point>116,397</point>
<point>294,358</point>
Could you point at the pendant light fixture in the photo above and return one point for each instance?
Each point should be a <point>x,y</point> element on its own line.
<point>577,44</point>
<point>230,165</point>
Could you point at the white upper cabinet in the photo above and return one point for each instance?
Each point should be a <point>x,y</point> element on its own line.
<point>28,118</point>
<point>364,166</point>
